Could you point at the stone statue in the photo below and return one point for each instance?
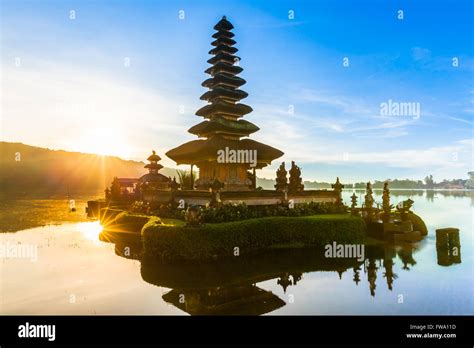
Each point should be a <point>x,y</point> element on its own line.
<point>295,184</point>
<point>337,186</point>
<point>107,194</point>
<point>353,204</point>
<point>281,179</point>
<point>369,202</point>
<point>115,191</point>
<point>386,206</point>
<point>193,215</point>
<point>215,186</point>
<point>404,208</point>
<point>173,184</point>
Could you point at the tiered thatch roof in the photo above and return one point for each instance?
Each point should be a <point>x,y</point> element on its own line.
<point>223,126</point>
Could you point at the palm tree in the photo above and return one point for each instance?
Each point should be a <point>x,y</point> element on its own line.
<point>185,179</point>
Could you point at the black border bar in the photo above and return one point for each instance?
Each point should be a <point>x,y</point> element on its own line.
<point>287,330</point>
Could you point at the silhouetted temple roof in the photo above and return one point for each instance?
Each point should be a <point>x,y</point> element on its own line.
<point>221,79</point>
<point>222,125</point>
<point>153,177</point>
<point>224,108</point>
<point>224,67</point>
<point>224,93</point>
<point>153,165</point>
<point>223,34</point>
<point>223,57</point>
<point>206,150</point>
<point>154,157</point>
<point>127,182</point>
<point>223,48</point>
<point>223,41</point>
<point>223,24</point>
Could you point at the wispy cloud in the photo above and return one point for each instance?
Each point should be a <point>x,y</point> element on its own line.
<point>425,59</point>
<point>420,53</point>
<point>346,104</point>
<point>461,120</point>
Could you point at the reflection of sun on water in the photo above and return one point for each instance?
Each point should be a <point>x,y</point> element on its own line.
<point>90,230</point>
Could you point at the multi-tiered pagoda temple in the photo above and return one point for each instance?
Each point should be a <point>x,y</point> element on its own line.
<point>223,131</point>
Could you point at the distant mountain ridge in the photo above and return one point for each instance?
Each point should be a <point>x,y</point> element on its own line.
<point>34,171</point>
<point>31,171</point>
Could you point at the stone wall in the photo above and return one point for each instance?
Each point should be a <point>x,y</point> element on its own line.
<point>263,197</point>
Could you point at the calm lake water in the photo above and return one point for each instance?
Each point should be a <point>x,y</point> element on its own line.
<point>80,270</point>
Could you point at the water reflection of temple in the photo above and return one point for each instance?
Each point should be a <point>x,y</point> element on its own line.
<point>406,256</point>
<point>356,277</point>
<point>230,287</point>
<point>382,258</point>
<point>388,274</point>
<point>371,271</point>
<point>247,299</point>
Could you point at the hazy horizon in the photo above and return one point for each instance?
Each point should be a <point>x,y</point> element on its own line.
<point>143,161</point>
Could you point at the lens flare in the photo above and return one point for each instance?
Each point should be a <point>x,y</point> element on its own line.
<point>90,230</point>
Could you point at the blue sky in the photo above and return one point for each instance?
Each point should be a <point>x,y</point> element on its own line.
<point>66,83</point>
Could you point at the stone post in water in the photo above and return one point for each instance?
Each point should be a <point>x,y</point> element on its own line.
<point>448,246</point>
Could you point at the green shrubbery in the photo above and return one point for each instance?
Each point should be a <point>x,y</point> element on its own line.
<point>163,210</point>
<point>229,212</point>
<point>107,215</point>
<point>211,241</point>
<point>140,207</point>
<point>166,211</point>
<point>127,222</point>
<point>236,212</point>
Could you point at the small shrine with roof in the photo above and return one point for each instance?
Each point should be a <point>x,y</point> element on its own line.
<point>134,188</point>
<point>154,180</point>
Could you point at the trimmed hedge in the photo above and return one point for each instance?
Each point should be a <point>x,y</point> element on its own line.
<point>211,241</point>
<point>127,222</point>
<point>108,214</point>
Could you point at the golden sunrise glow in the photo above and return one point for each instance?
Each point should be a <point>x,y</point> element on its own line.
<point>90,230</point>
<point>104,141</point>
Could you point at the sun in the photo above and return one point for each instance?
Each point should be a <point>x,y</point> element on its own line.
<point>90,230</point>
<point>104,141</point>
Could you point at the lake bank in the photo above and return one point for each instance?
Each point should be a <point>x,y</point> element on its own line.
<point>21,214</point>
